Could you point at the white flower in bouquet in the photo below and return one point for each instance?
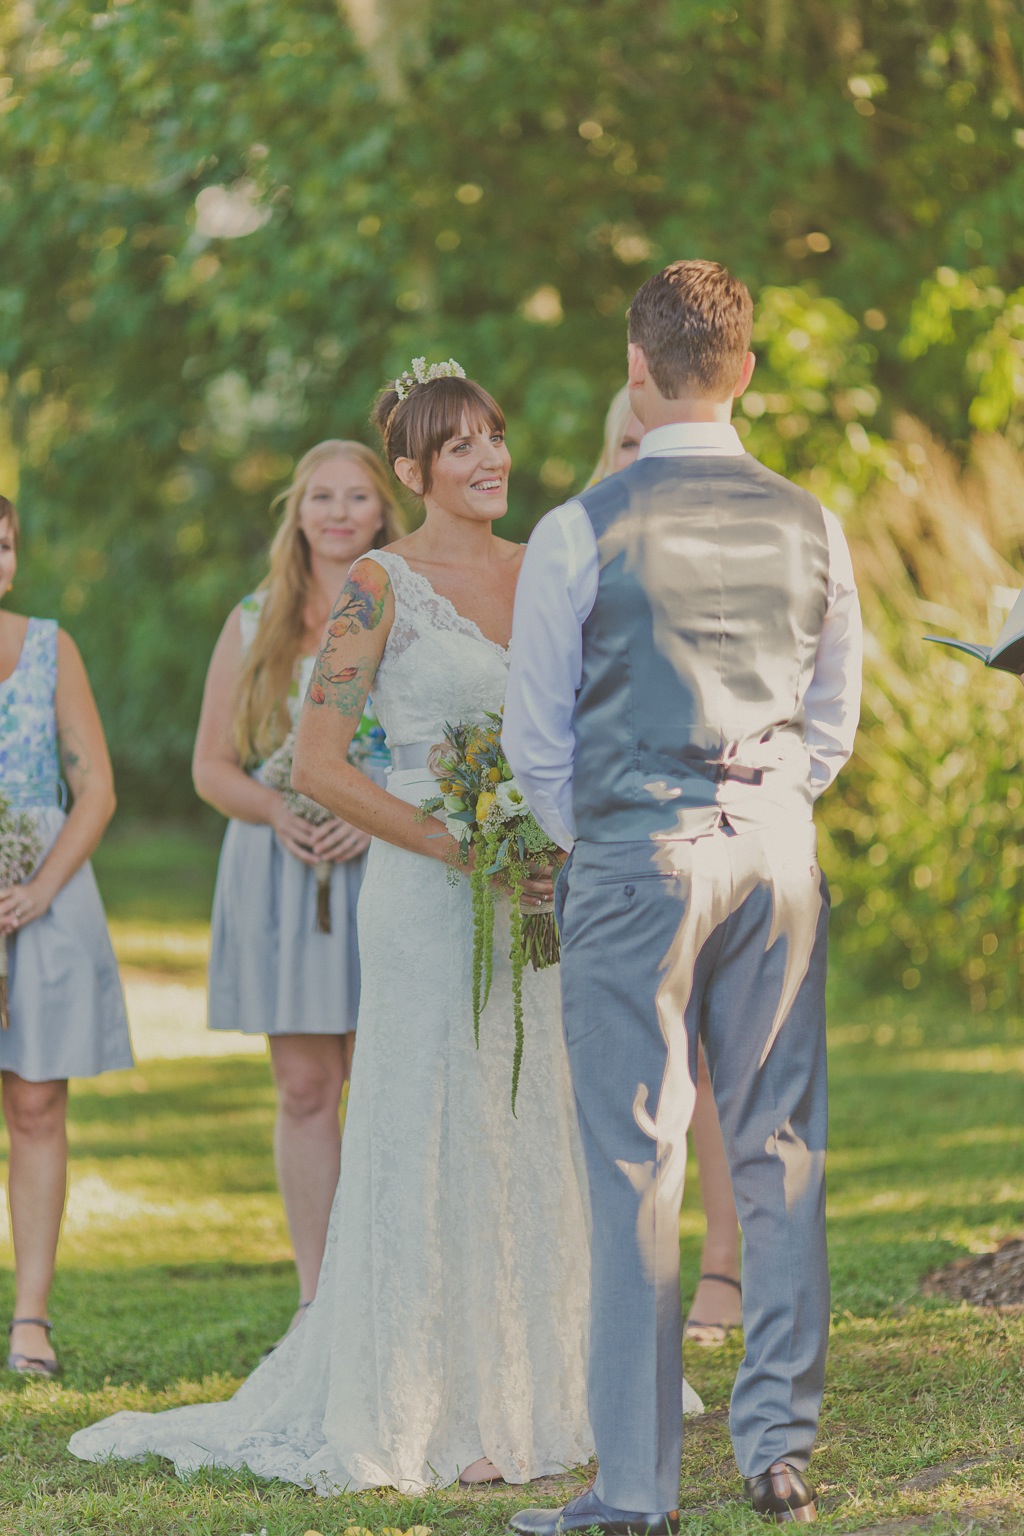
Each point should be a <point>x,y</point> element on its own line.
<point>510,798</point>
<point>455,818</point>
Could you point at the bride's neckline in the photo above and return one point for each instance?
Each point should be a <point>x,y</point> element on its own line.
<point>471,624</point>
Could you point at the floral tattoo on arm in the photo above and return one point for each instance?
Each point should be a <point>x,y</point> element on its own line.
<point>360,607</point>
<point>73,756</point>
<point>361,603</point>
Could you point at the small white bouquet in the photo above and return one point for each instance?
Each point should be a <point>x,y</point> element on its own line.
<point>20,851</point>
<point>276,773</point>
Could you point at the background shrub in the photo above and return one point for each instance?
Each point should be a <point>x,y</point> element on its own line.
<point>926,822</point>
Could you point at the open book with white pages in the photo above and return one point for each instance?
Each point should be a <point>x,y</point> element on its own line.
<point>1007,653</point>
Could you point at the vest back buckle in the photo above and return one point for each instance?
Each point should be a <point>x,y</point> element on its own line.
<point>738,772</point>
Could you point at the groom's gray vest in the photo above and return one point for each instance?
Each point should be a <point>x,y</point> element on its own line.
<point>698,651</point>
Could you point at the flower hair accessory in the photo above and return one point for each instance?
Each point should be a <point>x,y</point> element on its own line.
<point>421,374</point>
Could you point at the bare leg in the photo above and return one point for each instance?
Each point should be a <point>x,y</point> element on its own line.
<point>309,1072</point>
<point>715,1305</point>
<point>37,1187</point>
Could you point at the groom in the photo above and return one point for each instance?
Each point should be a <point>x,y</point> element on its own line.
<point>685,682</point>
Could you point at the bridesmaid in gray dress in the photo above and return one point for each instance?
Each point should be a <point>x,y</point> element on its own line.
<point>271,972</point>
<point>67,1016</point>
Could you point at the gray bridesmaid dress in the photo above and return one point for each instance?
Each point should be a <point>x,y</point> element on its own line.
<point>271,973</point>
<point>66,1005</point>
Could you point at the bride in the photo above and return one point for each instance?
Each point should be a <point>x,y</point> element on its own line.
<point>448,1334</point>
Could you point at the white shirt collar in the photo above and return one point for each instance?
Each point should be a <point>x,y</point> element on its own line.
<point>709,437</point>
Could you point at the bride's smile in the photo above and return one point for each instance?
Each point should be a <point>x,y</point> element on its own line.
<point>470,476</point>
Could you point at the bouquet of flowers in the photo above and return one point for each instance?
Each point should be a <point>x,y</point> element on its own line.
<point>276,773</point>
<point>368,753</point>
<point>484,809</point>
<point>20,851</point>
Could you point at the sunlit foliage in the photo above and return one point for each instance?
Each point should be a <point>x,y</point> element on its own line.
<point>224,224</point>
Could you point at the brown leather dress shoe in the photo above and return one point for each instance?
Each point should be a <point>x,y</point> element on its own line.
<point>782,1494</point>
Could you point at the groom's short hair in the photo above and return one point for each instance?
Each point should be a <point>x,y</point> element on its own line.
<point>693,322</point>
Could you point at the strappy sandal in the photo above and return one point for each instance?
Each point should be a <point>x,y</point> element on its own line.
<point>710,1335</point>
<point>31,1365</point>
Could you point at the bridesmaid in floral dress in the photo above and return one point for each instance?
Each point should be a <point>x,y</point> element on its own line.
<point>67,1016</point>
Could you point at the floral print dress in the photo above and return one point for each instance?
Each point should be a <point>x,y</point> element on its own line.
<point>66,1004</point>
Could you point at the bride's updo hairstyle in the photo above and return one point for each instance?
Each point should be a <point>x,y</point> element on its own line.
<point>417,424</point>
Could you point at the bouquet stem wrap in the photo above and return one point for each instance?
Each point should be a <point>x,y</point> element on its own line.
<point>20,851</point>
<point>324,870</point>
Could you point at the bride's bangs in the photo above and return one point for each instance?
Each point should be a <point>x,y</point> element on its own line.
<point>443,406</point>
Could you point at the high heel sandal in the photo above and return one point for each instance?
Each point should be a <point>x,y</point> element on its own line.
<point>31,1365</point>
<point>710,1335</point>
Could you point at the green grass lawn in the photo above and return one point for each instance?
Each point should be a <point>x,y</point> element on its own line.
<point>157,884</point>
<point>161,874</point>
<point>175,1274</point>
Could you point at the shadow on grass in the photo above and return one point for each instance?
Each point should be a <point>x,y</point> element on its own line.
<point>155,1326</point>
<point>211,1114</point>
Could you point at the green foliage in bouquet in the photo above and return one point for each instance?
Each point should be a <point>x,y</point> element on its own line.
<point>486,812</point>
<point>926,823</point>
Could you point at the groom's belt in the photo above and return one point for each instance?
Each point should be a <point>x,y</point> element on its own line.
<point>738,772</point>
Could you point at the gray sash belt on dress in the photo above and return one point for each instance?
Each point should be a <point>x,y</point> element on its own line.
<point>413,755</point>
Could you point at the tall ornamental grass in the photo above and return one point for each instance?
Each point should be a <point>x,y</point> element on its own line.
<point>926,823</point>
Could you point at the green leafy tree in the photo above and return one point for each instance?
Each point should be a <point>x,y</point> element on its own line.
<point>224,225</point>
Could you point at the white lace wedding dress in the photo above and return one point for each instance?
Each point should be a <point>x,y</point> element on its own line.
<point>450,1320</point>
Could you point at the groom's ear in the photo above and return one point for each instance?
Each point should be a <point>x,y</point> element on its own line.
<point>408,472</point>
<point>745,375</point>
<point>636,363</point>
